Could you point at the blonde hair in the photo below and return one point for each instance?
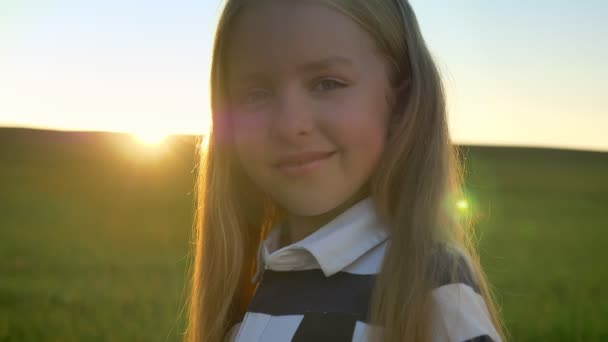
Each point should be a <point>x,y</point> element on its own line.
<point>413,189</point>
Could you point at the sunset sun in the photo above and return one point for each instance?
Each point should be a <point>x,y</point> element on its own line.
<point>152,138</point>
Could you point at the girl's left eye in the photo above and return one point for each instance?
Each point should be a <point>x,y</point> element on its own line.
<point>329,84</point>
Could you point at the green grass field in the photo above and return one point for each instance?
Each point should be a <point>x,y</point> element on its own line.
<point>94,237</point>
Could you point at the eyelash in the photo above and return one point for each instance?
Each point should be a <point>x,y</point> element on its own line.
<point>245,100</point>
<point>335,82</point>
<point>336,85</point>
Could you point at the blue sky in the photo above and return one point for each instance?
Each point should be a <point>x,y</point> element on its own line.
<point>516,73</point>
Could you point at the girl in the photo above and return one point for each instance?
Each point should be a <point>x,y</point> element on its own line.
<point>327,184</point>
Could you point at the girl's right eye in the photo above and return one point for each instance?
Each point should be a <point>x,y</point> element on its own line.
<point>254,96</point>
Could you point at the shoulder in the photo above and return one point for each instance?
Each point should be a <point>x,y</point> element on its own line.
<point>451,265</point>
<point>232,333</point>
<point>461,313</point>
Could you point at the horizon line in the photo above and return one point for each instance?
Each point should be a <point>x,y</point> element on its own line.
<point>195,134</point>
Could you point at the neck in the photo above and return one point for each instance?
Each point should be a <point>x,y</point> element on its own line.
<point>299,227</point>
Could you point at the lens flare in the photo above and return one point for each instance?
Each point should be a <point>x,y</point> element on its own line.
<point>462,205</point>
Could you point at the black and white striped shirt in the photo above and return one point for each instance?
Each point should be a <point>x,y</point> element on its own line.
<point>318,289</point>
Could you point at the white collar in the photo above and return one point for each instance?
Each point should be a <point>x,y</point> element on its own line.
<point>331,248</point>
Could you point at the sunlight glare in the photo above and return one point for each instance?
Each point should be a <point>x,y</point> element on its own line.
<point>152,138</point>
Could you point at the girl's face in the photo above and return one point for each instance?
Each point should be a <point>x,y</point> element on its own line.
<point>309,95</point>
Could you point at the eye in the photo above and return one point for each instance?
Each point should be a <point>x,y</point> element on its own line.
<point>254,96</point>
<point>329,84</point>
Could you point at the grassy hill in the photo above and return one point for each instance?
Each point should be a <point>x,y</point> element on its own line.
<point>94,236</point>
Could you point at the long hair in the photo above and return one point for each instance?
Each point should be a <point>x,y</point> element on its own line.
<point>413,188</point>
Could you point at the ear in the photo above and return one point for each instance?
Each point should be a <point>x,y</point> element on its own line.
<point>400,97</point>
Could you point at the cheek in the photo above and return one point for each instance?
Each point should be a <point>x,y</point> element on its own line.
<point>249,132</point>
<point>360,130</point>
<point>364,143</point>
<point>362,124</point>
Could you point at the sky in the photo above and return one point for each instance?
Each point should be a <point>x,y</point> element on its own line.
<point>517,73</point>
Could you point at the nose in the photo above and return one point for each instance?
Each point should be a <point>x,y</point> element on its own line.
<point>294,120</point>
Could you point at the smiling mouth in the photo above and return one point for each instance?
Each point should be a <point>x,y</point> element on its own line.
<point>302,163</point>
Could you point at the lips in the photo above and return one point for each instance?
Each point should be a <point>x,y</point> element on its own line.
<point>302,163</point>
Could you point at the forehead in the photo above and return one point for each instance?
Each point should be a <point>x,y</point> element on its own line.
<point>281,35</point>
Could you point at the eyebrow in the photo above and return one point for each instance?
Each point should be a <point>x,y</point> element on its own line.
<point>322,64</point>
<point>325,63</point>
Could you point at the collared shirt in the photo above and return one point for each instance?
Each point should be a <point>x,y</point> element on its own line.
<point>319,288</point>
